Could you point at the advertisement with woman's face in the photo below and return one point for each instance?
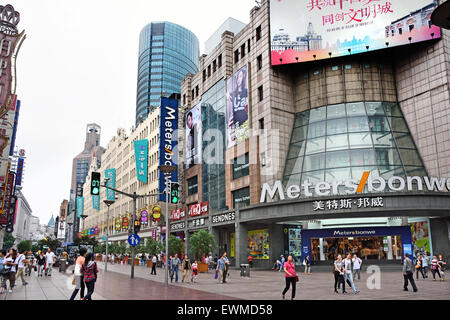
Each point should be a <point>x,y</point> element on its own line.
<point>237,107</point>
<point>193,136</point>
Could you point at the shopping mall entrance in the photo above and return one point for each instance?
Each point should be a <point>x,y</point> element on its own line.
<point>377,243</point>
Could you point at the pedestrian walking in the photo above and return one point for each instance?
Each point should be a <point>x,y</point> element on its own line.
<point>357,263</point>
<point>418,267</point>
<point>10,263</point>
<point>282,260</point>
<point>250,261</point>
<point>154,261</point>
<point>442,264</point>
<point>21,262</point>
<point>425,265</point>
<point>307,264</point>
<point>40,263</point>
<point>348,272</point>
<point>290,277</point>
<point>211,262</point>
<point>187,268</point>
<point>408,273</point>
<point>227,264</point>
<point>3,271</point>
<point>339,274</point>
<point>78,275</point>
<point>194,271</point>
<point>220,269</point>
<point>175,262</point>
<point>50,259</point>
<point>90,275</point>
<point>435,268</point>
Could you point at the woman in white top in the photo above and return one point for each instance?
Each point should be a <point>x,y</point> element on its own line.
<point>10,263</point>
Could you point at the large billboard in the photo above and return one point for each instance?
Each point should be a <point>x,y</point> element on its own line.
<point>237,107</point>
<point>168,142</point>
<point>194,136</point>
<point>306,30</point>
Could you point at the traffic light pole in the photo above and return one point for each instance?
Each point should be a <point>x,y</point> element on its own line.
<point>133,196</point>
<point>168,191</point>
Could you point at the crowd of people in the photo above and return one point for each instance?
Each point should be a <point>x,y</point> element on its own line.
<point>15,265</point>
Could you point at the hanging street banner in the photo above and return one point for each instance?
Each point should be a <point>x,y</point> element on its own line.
<point>14,133</point>
<point>110,175</point>
<point>80,206</point>
<point>141,155</point>
<point>20,163</point>
<point>168,141</point>
<point>308,30</point>
<point>96,202</point>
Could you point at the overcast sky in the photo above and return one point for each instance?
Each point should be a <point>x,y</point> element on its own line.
<point>78,65</point>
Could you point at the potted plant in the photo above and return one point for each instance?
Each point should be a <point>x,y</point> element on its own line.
<point>202,243</point>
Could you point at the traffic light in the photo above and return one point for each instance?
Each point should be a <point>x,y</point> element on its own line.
<point>174,193</point>
<point>95,183</point>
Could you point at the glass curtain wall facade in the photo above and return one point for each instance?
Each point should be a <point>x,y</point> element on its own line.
<point>167,52</point>
<point>342,141</point>
<point>213,118</point>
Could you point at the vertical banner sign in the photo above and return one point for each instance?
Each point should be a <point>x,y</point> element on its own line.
<point>110,174</point>
<point>168,148</point>
<point>80,206</point>
<point>5,141</point>
<point>14,133</point>
<point>141,155</point>
<point>96,202</point>
<point>20,163</point>
<point>237,107</point>
<point>5,212</point>
<point>194,136</point>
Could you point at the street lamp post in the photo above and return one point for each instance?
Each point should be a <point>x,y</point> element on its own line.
<point>167,170</point>
<point>108,204</point>
<point>84,218</point>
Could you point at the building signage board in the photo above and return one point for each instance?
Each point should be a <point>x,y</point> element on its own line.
<point>197,223</point>
<point>80,206</point>
<point>307,30</point>
<point>168,141</point>
<point>96,202</point>
<point>237,107</point>
<point>194,136</point>
<point>324,205</point>
<point>20,163</point>
<point>224,217</point>
<point>178,214</point>
<point>110,175</point>
<point>352,186</point>
<point>141,156</point>
<point>199,209</point>
<point>9,207</point>
<point>177,226</point>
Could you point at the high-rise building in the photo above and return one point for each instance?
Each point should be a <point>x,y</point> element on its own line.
<point>167,53</point>
<point>326,151</point>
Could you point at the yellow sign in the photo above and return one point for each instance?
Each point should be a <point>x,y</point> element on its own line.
<point>258,244</point>
<point>232,244</point>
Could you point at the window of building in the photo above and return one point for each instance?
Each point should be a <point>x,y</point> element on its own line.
<point>219,59</point>
<point>348,66</point>
<point>243,51</point>
<point>261,123</point>
<point>236,56</point>
<point>204,75</point>
<point>259,62</point>
<point>411,27</point>
<point>334,68</point>
<point>241,198</point>
<point>196,91</point>
<point>192,93</point>
<point>400,31</point>
<point>184,99</point>
<point>258,33</point>
<point>240,167</point>
<point>248,45</point>
<point>209,71</point>
<point>192,185</point>
<point>214,66</point>
<point>260,93</point>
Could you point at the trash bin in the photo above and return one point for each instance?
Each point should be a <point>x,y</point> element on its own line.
<point>62,265</point>
<point>245,270</point>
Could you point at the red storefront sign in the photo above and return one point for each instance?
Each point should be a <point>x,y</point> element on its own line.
<point>199,209</point>
<point>178,214</point>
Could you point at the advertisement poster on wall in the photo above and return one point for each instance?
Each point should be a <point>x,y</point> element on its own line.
<point>194,136</point>
<point>306,30</point>
<point>237,107</point>
<point>258,244</point>
<point>420,236</point>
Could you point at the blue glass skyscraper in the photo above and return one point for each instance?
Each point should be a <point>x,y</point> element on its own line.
<point>167,52</point>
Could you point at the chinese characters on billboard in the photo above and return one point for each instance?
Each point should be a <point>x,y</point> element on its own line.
<point>194,136</point>
<point>237,107</point>
<point>306,30</point>
<point>141,154</point>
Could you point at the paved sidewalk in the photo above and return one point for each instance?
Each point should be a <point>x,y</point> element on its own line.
<point>56,287</point>
<point>267,285</point>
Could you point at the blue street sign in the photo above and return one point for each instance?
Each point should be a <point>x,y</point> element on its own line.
<point>104,238</point>
<point>134,240</point>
